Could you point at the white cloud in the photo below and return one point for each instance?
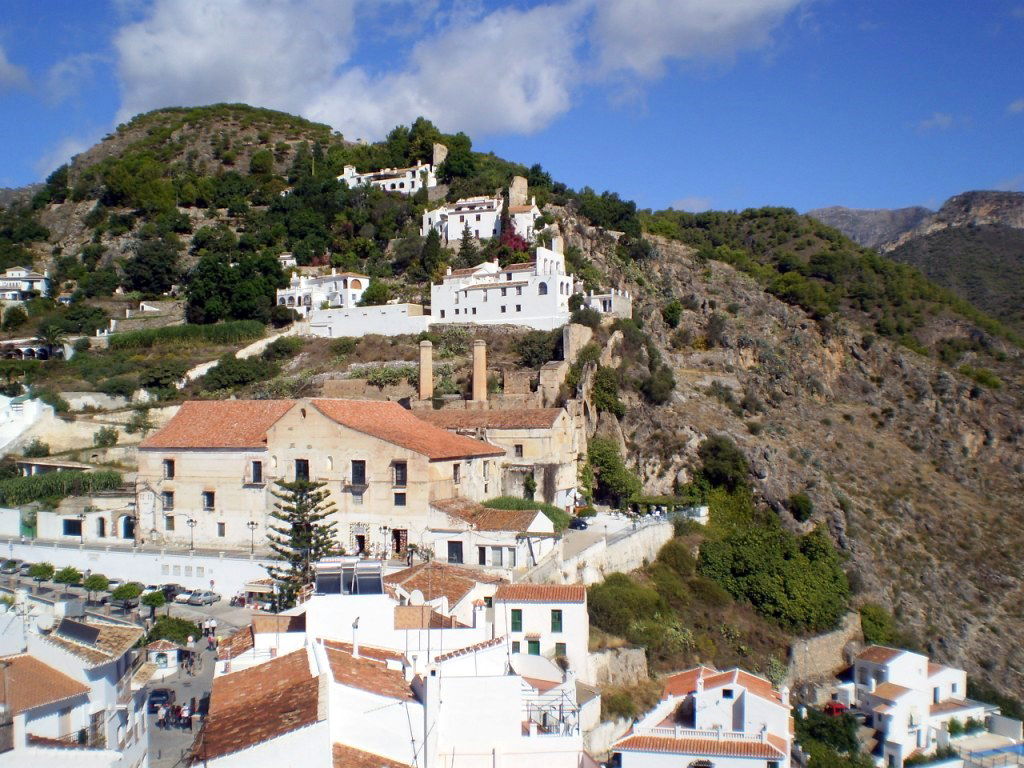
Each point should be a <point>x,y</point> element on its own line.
<point>938,121</point>
<point>68,76</point>
<point>693,204</point>
<point>640,36</point>
<point>1016,107</point>
<point>511,70</point>
<point>263,52</point>
<point>11,76</point>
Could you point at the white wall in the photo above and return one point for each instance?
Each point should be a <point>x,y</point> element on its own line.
<point>537,621</point>
<point>308,747</point>
<point>385,320</point>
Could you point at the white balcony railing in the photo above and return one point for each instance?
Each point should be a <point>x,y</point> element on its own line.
<point>671,732</point>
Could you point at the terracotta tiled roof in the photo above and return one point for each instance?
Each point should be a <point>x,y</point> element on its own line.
<point>889,691</point>
<point>373,652</point>
<point>936,669</point>
<point>219,424</point>
<point>486,519</point>
<point>878,654</point>
<point>392,423</point>
<point>112,642</point>
<point>367,674</point>
<point>703,747</point>
<point>951,705</point>
<point>237,644</point>
<point>46,741</point>
<point>520,267</point>
<point>163,645</point>
<point>471,649</point>
<point>467,271</point>
<point>758,686</point>
<point>350,757</point>
<point>684,683</point>
<point>423,617</point>
<point>30,683</point>
<point>283,688</point>
<point>436,580</point>
<point>269,622</point>
<point>512,418</point>
<point>541,593</point>
<point>542,686</point>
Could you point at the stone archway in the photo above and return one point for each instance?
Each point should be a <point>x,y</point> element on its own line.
<point>127,527</point>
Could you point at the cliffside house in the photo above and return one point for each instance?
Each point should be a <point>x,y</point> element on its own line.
<point>22,283</point>
<point>404,181</point>
<point>341,290</point>
<point>481,214</point>
<point>712,719</point>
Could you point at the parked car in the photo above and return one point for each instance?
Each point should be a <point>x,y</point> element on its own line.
<point>171,591</point>
<point>151,588</point>
<point>578,524</point>
<point>24,568</point>
<point>185,597</point>
<point>203,597</point>
<point>157,697</point>
<point>11,566</point>
<point>113,584</point>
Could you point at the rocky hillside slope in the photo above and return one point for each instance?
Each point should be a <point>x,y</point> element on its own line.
<point>872,227</point>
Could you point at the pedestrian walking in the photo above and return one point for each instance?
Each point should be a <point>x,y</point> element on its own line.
<point>213,627</point>
<point>161,716</point>
<point>186,717</point>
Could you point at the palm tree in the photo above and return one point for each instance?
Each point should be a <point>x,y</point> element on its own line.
<point>52,336</point>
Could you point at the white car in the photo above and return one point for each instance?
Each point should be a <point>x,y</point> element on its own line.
<point>151,588</point>
<point>184,597</point>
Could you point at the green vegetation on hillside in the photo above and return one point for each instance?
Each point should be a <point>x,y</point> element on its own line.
<point>53,486</point>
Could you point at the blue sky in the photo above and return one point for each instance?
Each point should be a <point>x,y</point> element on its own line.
<point>692,103</point>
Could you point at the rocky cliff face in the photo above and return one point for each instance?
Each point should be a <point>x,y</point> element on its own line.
<point>917,471</point>
<point>872,227</point>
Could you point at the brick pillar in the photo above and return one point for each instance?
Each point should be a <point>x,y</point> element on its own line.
<point>426,370</point>
<point>479,371</point>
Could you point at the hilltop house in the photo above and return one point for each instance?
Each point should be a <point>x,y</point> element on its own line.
<point>70,695</point>
<point>21,283</point>
<point>909,701</point>
<point>342,290</point>
<point>210,472</point>
<point>712,719</point>
<point>524,219</point>
<point>481,214</point>
<point>371,680</point>
<point>405,181</point>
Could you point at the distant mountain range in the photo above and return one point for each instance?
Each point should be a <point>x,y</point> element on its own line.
<point>973,245</point>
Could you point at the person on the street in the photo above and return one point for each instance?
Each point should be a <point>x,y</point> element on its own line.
<point>213,627</point>
<point>186,717</point>
<point>161,716</point>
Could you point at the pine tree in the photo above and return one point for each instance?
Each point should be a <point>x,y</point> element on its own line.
<point>432,255</point>
<point>302,537</point>
<point>469,252</point>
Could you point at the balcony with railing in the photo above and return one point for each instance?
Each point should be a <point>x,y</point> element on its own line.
<point>717,734</point>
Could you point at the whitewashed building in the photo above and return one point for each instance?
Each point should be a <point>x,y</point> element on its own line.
<point>481,214</point>
<point>341,290</point>
<point>547,620</point>
<point>910,701</point>
<point>404,181</point>
<point>731,719</point>
<point>21,283</point>
<point>534,294</point>
<point>524,219</point>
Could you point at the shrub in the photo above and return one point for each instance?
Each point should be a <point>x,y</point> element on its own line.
<point>282,316</point>
<point>538,347</point>
<point>800,506</point>
<point>615,482</point>
<point>36,449</point>
<point>163,376</point>
<point>840,733</point>
<point>658,387</point>
<point>982,376</point>
<point>714,334</point>
<point>556,515</point>
<point>231,372</point>
<point>14,317</point>
<point>119,386</point>
<point>283,348</point>
<point>672,312</point>
<point>723,464</point>
<point>586,316</point>
<point>139,422</point>
<point>56,485</point>
<point>232,332</point>
<point>606,392</point>
<point>619,601</point>
<point>676,555</point>
<point>377,293</point>
<point>878,625</point>
<point>105,437</point>
<point>956,728</point>
<point>344,346</point>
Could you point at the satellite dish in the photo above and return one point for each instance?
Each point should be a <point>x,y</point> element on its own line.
<point>45,622</point>
<point>416,597</point>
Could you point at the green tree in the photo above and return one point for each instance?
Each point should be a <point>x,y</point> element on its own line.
<point>432,255</point>
<point>376,293</point>
<point>95,582</point>
<point>52,336</point>
<point>36,449</point>
<point>460,162</point>
<point>615,482</point>
<point>262,163</point>
<point>800,506</point>
<point>723,463</point>
<point>606,392</point>
<point>126,593</point>
<point>154,600</point>
<point>302,536</point>
<point>154,268</point>
<point>14,317</point>
<point>672,312</point>
<point>105,437</point>
<point>67,576</point>
<point>173,628</point>
<point>41,572</point>
<point>469,251</point>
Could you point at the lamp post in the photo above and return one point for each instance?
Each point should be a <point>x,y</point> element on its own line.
<point>81,528</point>
<point>252,525</point>
<point>191,523</point>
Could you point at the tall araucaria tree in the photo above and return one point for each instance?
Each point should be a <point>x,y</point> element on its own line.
<point>302,536</point>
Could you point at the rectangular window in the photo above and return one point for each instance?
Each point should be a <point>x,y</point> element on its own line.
<point>220,530</point>
<point>773,764</point>
<point>519,307</point>
<point>399,499</point>
<point>496,556</point>
<point>478,217</point>
<point>401,474</point>
<point>518,449</point>
<point>168,522</point>
<point>508,275</point>
<point>257,472</point>
<point>515,646</point>
<point>456,311</point>
<point>301,469</point>
<point>442,313</point>
<point>556,620</point>
<point>489,602</point>
<point>169,469</point>
<point>519,290</point>
<point>727,693</point>
<point>72,527</point>
<point>481,555</point>
<point>455,552</point>
<point>358,472</point>
<point>559,649</point>
<point>533,647</point>
<point>208,499</point>
<point>511,557</point>
<point>474,310</point>
<point>456,473</point>
<point>504,291</point>
<point>167,498</point>
<point>503,308</point>
<point>517,620</point>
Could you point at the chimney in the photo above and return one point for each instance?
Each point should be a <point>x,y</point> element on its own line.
<point>479,371</point>
<point>355,638</point>
<point>426,369</point>
<point>785,695</point>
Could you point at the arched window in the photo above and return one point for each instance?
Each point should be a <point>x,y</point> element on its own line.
<point>355,284</point>
<point>291,301</point>
<point>281,301</point>
<point>309,300</point>
<point>542,289</point>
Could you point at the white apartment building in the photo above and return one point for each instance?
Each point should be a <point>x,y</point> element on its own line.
<point>909,701</point>
<point>21,283</point>
<point>342,290</point>
<point>706,718</point>
<point>69,693</point>
<point>481,214</point>
<point>547,620</point>
<point>405,181</point>
<point>535,294</point>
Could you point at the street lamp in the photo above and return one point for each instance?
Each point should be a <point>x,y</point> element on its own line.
<point>191,523</point>
<point>252,525</point>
